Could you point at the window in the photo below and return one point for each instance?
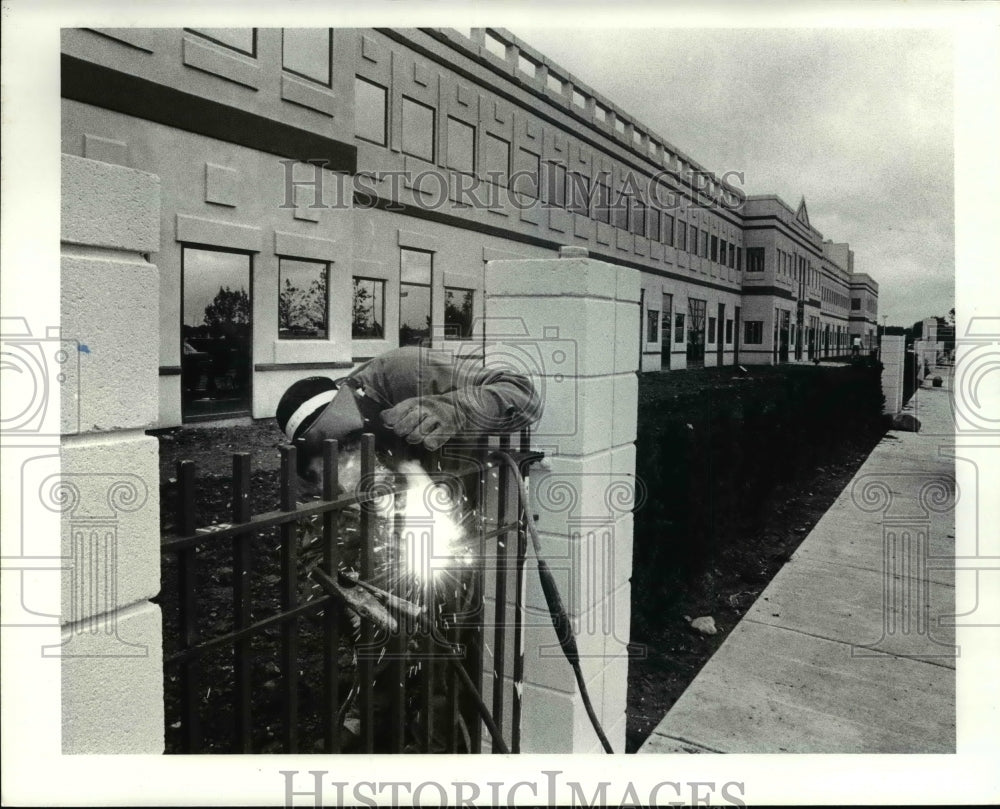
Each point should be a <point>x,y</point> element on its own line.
<point>732,255</point>
<point>696,332</point>
<point>579,99</point>
<point>418,130</point>
<point>602,208</point>
<point>243,40</point>
<point>600,113</point>
<point>415,270</point>
<point>368,310</point>
<point>555,184</point>
<point>715,248</point>
<point>525,177</point>
<point>755,259</point>
<point>369,111</point>
<point>654,223</point>
<point>302,299</point>
<point>704,244</point>
<point>682,234</point>
<point>639,217</point>
<point>739,259</point>
<point>693,240</point>
<point>554,83</point>
<point>652,326</point>
<point>753,332</point>
<point>496,159</point>
<point>711,330</point>
<point>461,146</point>
<point>855,303</point>
<point>215,332</point>
<point>526,65</point>
<point>621,210</point>
<point>306,52</point>
<point>668,230</point>
<point>458,313</point>
<point>679,327</point>
<point>579,193</point>
<point>729,331</point>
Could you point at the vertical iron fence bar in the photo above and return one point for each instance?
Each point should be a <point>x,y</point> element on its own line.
<point>518,686</point>
<point>397,646</point>
<point>475,649</point>
<point>188,613</point>
<point>331,623</point>
<point>241,603</point>
<point>451,695</point>
<point>500,616</point>
<point>366,649</point>
<point>427,680</point>
<point>289,600</point>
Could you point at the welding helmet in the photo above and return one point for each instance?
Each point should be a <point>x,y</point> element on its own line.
<point>318,408</point>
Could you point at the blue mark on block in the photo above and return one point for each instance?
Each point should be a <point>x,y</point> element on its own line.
<point>83,348</point>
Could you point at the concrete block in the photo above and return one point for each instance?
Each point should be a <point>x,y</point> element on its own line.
<point>577,417</point>
<point>626,345</point>
<point>568,335</point>
<point>625,421</point>
<point>221,185</point>
<point>577,277</point>
<point>628,284</point>
<point>572,490</point>
<point>615,694</point>
<point>112,703</point>
<point>558,723</point>
<point>117,352</point>
<point>109,496</point>
<point>105,205</point>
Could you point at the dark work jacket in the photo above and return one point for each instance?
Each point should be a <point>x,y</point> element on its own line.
<point>491,400</point>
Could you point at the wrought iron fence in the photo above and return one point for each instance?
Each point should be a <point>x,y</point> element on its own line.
<point>287,667</point>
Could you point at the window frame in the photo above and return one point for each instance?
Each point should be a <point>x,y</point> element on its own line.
<point>326,302</point>
<point>354,285</point>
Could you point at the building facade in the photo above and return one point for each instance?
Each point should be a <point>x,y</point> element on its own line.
<point>334,193</point>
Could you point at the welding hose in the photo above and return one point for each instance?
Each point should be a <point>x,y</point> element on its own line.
<point>557,612</point>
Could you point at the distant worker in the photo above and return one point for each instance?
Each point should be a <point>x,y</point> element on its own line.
<point>856,347</point>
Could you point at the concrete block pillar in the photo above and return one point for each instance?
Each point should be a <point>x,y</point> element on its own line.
<point>893,356</point>
<point>571,323</point>
<point>107,490</point>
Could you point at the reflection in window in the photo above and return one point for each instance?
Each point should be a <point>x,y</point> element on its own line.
<point>369,111</point>
<point>368,309</point>
<point>215,335</point>
<point>306,51</point>
<point>679,327</point>
<point>302,299</point>
<point>652,325</point>
<point>418,130</point>
<point>243,40</point>
<point>461,146</point>
<point>415,272</point>
<point>458,313</point>
<point>602,205</point>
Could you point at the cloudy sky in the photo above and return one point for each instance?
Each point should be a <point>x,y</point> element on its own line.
<point>858,121</point>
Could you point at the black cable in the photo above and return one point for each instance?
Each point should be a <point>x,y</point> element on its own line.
<point>557,612</point>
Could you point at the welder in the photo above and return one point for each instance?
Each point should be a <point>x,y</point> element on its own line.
<point>413,399</point>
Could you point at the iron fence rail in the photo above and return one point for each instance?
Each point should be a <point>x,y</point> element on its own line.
<point>449,652</point>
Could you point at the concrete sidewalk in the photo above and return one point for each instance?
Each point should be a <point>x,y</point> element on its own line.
<point>844,651</point>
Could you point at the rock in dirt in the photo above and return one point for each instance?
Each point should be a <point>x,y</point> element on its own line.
<point>906,423</point>
<point>705,625</point>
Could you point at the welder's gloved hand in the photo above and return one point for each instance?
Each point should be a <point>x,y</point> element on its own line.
<point>427,420</point>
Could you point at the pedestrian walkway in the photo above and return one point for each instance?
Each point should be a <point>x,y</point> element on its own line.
<point>844,651</point>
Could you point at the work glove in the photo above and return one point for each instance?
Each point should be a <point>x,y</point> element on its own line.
<point>427,420</point>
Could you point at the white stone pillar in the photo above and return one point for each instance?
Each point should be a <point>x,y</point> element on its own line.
<point>108,488</point>
<point>572,322</point>
<point>893,356</point>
